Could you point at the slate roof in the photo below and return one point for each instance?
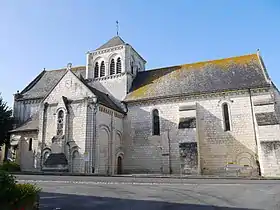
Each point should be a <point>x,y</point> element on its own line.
<point>203,77</point>
<point>102,98</point>
<point>55,159</point>
<point>29,125</point>
<point>45,81</point>
<point>115,41</point>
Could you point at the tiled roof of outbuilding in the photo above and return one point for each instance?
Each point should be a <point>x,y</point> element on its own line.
<point>31,124</point>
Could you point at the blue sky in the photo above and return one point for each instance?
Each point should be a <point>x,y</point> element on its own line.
<point>50,33</point>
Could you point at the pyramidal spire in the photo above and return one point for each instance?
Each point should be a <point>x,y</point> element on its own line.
<point>115,41</point>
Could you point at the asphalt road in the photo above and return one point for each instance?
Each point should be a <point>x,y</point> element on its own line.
<point>127,193</point>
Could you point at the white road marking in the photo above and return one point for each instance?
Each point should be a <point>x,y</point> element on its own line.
<point>51,197</point>
<point>124,183</point>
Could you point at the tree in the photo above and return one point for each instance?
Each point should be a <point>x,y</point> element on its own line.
<point>6,122</point>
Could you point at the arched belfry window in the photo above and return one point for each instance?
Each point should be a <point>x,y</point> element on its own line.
<point>226,119</point>
<point>96,70</point>
<point>60,123</point>
<point>156,124</point>
<point>102,69</point>
<point>119,66</point>
<point>112,67</point>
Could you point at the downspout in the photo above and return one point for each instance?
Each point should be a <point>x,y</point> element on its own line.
<point>68,140</point>
<point>255,132</point>
<point>43,134</point>
<point>93,156</point>
<point>110,159</point>
<point>169,151</point>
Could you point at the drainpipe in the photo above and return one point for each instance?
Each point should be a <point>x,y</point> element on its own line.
<point>67,142</point>
<point>93,156</point>
<point>43,134</point>
<point>255,132</point>
<point>169,152</point>
<point>110,158</point>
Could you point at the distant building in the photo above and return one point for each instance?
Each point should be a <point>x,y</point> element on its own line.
<point>114,116</point>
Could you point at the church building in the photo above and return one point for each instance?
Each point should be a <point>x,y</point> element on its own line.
<point>112,116</point>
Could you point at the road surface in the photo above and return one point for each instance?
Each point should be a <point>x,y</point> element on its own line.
<point>127,193</point>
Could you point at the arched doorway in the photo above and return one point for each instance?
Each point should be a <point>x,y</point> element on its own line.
<point>119,165</point>
<point>75,162</point>
<point>103,156</point>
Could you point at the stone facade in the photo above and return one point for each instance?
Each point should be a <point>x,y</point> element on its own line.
<point>216,148</point>
<point>126,122</point>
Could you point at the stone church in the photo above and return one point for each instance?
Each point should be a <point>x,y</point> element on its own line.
<point>113,116</point>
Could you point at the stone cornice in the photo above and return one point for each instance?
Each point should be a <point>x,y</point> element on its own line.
<point>30,101</point>
<point>102,51</point>
<point>108,77</point>
<point>110,112</point>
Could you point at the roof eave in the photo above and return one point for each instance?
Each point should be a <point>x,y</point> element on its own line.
<point>192,94</point>
<point>23,130</point>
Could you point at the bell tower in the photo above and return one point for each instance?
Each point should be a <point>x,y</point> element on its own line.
<point>112,67</point>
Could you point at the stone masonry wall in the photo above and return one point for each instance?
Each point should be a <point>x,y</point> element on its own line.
<point>269,136</point>
<point>24,109</point>
<point>216,147</point>
<point>75,91</point>
<point>109,137</point>
<point>25,157</point>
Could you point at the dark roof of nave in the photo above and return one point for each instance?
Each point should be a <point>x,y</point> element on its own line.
<point>102,97</point>
<point>115,41</point>
<point>232,73</point>
<point>45,81</point>
<point>210,76</point>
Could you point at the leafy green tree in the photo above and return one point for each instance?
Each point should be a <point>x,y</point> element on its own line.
<point>6,122</point>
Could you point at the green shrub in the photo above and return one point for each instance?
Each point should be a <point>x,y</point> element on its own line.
<point>25,195</point>
<point>10,166</point>
<point>13,195</point>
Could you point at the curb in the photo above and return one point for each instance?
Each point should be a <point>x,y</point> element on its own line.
<point>148,176</point>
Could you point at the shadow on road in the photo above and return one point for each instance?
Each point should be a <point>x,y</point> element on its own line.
<point>50,201</point>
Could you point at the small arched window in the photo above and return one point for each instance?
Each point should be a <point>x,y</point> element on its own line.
<point>131,66</point>
<point>226,117</point>
<point>96,70</point>
<point>102,69</point>
<point>60,122</point>
<point>112,67</point>
<point>119,66</point>
<point>30,144</point>
<point>156,125</point>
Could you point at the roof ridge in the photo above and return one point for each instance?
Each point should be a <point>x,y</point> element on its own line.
<point>201,62</point>
<point>61,69</point>
<point>114,41</point>
<point>33,82</point>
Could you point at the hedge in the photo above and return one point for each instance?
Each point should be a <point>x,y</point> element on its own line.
<point>10,166</point>
<point>15,196</point>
